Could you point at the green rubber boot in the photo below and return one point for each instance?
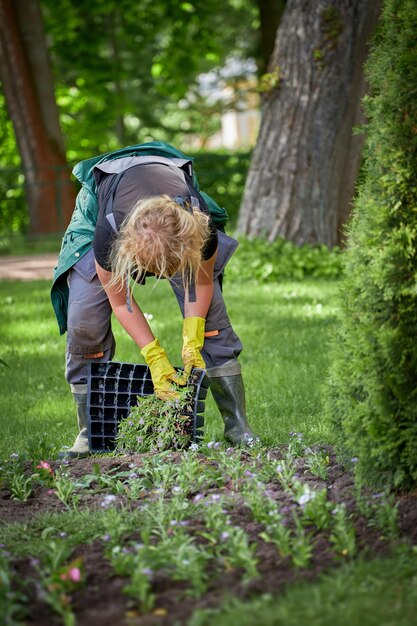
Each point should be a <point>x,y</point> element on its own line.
<point>226,385</point>
<point>80,447</point>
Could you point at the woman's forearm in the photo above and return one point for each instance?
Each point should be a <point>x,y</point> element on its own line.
<point>134,323</point>
<point>203,297</point>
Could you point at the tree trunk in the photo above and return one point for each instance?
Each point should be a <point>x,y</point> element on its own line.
<point>28,86</point>
<point>305,164</point>
<point>270,13</point>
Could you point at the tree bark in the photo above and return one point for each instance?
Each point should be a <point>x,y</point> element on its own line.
<point>305,164</point>
<point>28,86</point>
<point>270,13</point>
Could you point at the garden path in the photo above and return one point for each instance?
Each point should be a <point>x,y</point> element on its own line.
<point>34,267</point>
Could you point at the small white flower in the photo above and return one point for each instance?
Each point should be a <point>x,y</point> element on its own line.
<point>194,447</point>
<point>108,501</point>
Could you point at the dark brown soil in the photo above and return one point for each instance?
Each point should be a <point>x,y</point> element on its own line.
<point>101,601</point>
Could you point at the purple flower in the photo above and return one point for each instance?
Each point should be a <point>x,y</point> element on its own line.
<point>249,474</point>
<point>106,537</point>
<point>224,535</point>
<point>198,497</point>
<point>354,460</point>
<point>130,423</point>
<point>147,571</point>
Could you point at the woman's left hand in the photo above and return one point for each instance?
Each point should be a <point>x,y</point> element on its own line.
<point>193,341</point>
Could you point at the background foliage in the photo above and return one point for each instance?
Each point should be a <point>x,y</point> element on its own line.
<point>373,393</point>
<point>127,72</point>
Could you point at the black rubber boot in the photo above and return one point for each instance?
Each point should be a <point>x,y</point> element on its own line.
<point>80,446</point>
<point>226,385</point>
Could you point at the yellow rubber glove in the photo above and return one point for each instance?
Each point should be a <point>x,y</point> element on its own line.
<point>192,342</point>
<point>162,372</point>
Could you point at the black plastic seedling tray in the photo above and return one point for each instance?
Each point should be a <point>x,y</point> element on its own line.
<point>113,388</point>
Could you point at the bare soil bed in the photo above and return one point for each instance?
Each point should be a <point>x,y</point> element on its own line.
<point>101,602</point>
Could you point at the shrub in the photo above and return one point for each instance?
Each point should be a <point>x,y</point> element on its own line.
<point>257,259</point>
<point>373,392</point>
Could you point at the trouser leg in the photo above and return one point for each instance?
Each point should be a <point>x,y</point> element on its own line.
<point>89,339</point>
<point>89,336</point>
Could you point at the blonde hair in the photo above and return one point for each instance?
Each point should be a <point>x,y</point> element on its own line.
<point>161,237</point>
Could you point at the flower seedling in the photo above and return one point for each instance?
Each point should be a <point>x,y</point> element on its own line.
<point>285,470</point>
<point>45,473</point>
<point>154,425</point>
<point>317,463</point>
<point>301,548</point>
<point>12,599</point>
<point>343,535</point>
<point>65,489</point>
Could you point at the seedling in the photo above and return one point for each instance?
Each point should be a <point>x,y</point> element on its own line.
<point>154,425</point>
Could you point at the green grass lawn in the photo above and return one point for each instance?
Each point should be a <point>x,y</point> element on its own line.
<point>286,330</point>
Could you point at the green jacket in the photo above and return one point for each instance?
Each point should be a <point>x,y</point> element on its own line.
<point>78,237</point>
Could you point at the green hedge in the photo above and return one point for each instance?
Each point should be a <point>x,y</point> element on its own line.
<point>373,385</point>
<point>264,262</point>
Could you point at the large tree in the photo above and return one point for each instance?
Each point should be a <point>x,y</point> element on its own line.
<point>304,168</point>
<point>28,86</point>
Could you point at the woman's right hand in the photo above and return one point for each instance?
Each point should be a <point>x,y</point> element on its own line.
<point>162,373</point>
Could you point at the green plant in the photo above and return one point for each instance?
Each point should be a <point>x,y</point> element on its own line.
<point>265,262</point>
<point>155,425</point>
<point>285,469</point>
<point>317,462</point>
<point>12,598</point>
<point>343,537</point>
<point>16,480</point>
<point>372,389</point>
<point>65,489</point>
<point>318,510</point>
<point>301,547</point>
<point>269,81</point>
